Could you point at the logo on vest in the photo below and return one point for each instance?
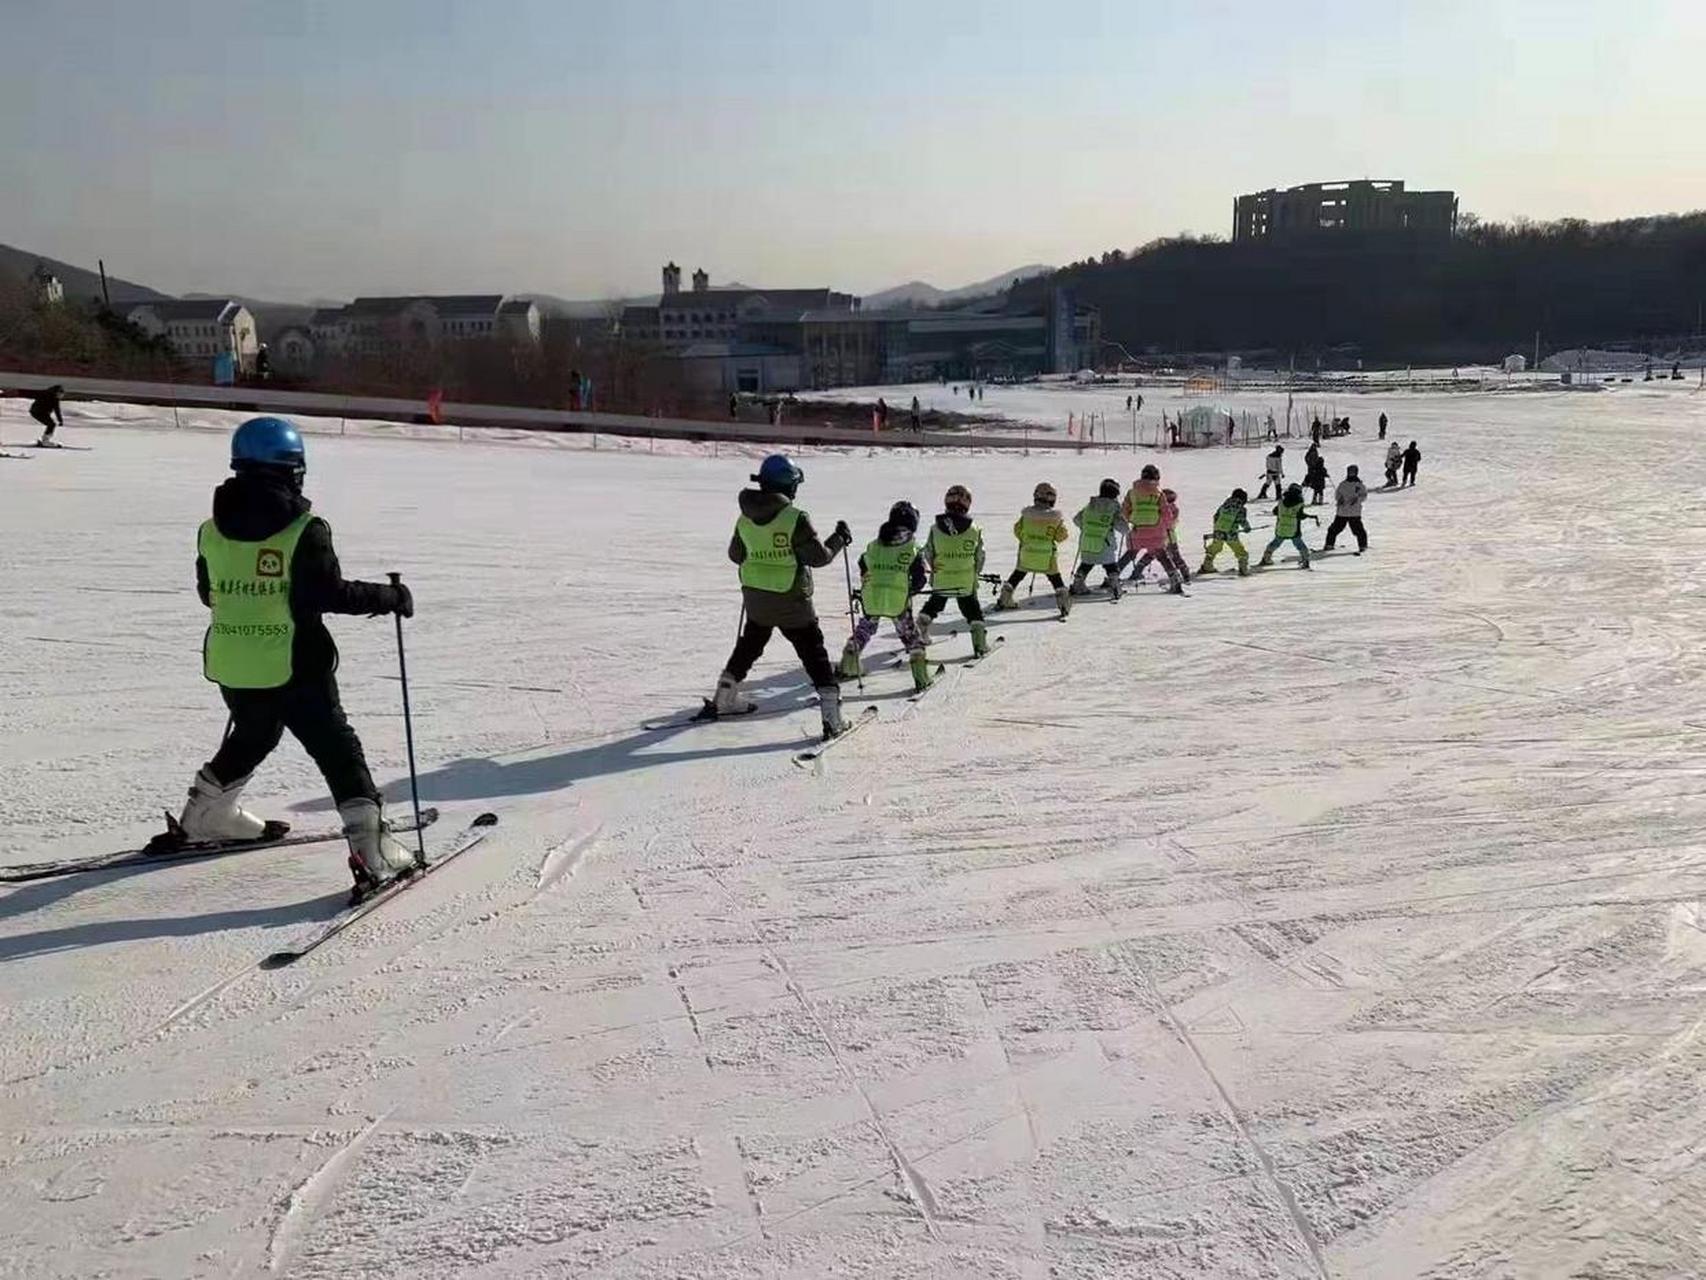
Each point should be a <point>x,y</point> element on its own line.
<point>782,541</point>
<point>269,563</point>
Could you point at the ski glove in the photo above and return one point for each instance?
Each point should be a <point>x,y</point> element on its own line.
<point>402,601</point>
<point>839,537</point>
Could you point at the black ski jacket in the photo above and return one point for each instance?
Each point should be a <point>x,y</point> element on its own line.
<point>252,506</point>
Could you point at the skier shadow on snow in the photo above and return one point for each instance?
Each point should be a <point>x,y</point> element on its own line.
<point>482,778</point>
<point>98,932</point>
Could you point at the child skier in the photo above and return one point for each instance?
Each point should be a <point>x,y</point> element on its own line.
<point>891,572</point>
<point>46,410</point>
<point>266,569</point>
<point>954,552</point>
<point>1315,477</point>
<point>1347,511</point>
<point>1230,519</point>
<point>1101,531</point>
<point>1169,553</point>
<point>1040,530</point>
<point>1151,518</point>
<point>1394,456</point>
<point>1288,527</point>
<point>776,548</point>
<point>1275,472</point>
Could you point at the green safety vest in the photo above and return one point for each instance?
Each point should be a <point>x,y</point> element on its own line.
<point>1145,509</point>
<point>1037,542</point>
<point>1096,522</point>
<point>770,564</point>
<point>953,560</point>
<point>888,576</point>
<point>1286,520</point>
<point>249,642</point>
<point>1227,519</point>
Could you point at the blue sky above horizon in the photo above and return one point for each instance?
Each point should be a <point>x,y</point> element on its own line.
<point>294,150</point>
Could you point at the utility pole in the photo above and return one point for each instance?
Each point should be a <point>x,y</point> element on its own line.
<point>1536,365</point>
<point>106,299</point>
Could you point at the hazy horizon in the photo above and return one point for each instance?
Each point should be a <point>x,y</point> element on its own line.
<point>310,150</point>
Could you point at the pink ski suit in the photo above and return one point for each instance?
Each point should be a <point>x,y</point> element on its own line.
<point>1145,502</point>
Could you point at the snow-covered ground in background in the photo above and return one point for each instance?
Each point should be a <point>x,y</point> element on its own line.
<point>1345,923</point>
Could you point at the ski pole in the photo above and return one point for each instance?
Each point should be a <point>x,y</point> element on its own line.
<point>409,733</point>
<point>852,621</point>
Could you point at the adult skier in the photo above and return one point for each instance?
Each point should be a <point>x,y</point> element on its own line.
<point>1101,532</point>
<point>46,410</point>
<point>1412,460</point>
<point>954,554</point>
<point>776,548</point>
<point>266,568</point>
<point>1040,530</point>
<point>1288,527</point>
<point>1230,519</point>
<point>1383,426</point>
<point>1315,477</point>
<point>891,572</point>
<point>1394,456</point>
<point>1347,510</point>
<point>1274,466</point>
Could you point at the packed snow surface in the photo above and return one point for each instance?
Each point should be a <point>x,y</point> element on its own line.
<point>1342,923</point>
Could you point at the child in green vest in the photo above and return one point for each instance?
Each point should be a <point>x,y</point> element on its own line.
<point>1172,560</point>
<point>1288,527</point>
<point>891,572</point>
<point>954,554</point>
<point>1230,519</point>
<point>1101,534</point>
<point>1040,530</point>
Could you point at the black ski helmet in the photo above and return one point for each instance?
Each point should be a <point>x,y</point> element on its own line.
<point>1044,495</point>
<point>903,513</point>
<point>1109,489</point>
<point>1151,472</point>
<point>1294,491</point>
<point>1238,495</point>
<point>957,499</point>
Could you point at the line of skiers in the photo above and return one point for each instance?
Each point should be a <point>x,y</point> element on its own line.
<point>775,547</point>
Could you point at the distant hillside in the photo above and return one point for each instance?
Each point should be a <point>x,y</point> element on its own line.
<point>917,293</point>
<point>78,282</point>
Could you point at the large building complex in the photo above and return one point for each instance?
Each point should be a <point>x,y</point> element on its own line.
<point>765,340</point>
<point>1364,207</point>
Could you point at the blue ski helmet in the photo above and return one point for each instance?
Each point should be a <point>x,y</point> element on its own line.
<point>267,442</point>
<point>778,474</point>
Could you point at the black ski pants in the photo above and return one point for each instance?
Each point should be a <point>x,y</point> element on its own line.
<point>1338,526</point>
<point>1409,476</point>
<point>1019,575</point>
<point>807,642</point>
<point>45,417</point>
<point>971,608</point>
<point>311,710</point>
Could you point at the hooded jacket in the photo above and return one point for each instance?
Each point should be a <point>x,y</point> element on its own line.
<point>793,607</point>
<point>251,507</point>
<point>1348,498</point>
<point>1109,553</point>
<point>1154,536</point>
<point>951,522</point>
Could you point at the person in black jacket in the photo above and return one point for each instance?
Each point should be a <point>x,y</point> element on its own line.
<point>45,409</point>
<point>1412,460</point>
<point>263,542</point>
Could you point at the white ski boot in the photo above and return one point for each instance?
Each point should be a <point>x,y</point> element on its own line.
<point>829,703</point>
<point>727,700</point>
<point>214,814</point>
<point>375,856</point>
<point>1063,602</point>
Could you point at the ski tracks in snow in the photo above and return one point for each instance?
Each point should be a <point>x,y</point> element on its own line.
<point>308,1200</point>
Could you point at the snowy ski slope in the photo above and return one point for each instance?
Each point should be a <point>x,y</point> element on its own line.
<point>1334,924</point>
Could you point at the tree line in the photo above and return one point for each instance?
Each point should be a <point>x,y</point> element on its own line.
<point>1481,295</point>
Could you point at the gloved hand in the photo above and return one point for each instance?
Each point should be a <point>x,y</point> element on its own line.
<point>840,537</point>
<point>404,602</point>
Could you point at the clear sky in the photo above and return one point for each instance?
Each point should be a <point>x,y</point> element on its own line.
<point>298,149</point>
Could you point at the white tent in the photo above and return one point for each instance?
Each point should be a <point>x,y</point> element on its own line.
<point>1516,364</point>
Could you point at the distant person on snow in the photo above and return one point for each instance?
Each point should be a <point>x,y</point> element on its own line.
<point>1288,527</point>
<point>1315,478</point>
<point>1101,533</point>
<point>1315,431</point>
<point>1412,460</point>
<point>266,568</point>
<point>917,421</point>
<point>891,572</point>
<point>1040,530</point>
<point>1275,467</point>
<point>776,548</point>
<point>954,554</point>
<point>45,409</point>
<point>1383,426</point>
<point>1394,456</point>
<point>1273,429</point>
<point>1230,519</point>
<point>1347,511</point>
